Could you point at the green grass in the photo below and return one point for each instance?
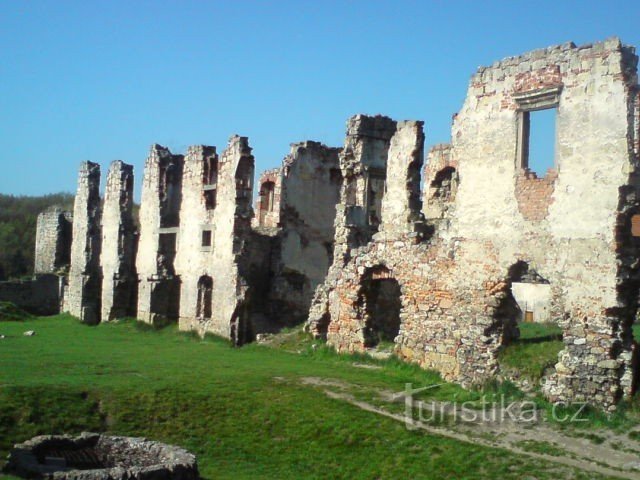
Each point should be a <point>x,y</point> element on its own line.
<point>243,412</point>
<point>536,350</point>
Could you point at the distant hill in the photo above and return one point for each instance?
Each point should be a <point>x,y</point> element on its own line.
<point>18,215</point>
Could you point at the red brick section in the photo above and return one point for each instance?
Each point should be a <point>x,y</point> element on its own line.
<point>535,194</point>
<point>545,77</point>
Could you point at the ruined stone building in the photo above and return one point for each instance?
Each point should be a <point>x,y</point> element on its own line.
<point>493,225</point>
<point>370,246</point>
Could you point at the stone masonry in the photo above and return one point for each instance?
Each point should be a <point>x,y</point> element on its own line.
<point>310,190</point>
<point>118,244</point>
<point>53,240</point>
<point>349,239</point>
<point>159,286</point>
<point>82,298</point>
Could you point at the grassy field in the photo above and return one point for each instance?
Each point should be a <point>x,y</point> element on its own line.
<point>244,411</point>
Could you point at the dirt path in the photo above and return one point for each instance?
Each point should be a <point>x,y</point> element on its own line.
<point>606,452</point>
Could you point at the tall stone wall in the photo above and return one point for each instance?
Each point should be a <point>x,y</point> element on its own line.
<point>53,240</point>
<point>363,168</point>
<point>159,285</point>
<point>83,293</point>
<point>217,279</point>
<point>303,249</point>
<point>119,282</point>
<point>198,236</point>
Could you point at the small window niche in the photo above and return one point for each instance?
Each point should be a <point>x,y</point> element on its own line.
<point>210,194</point>
<point>537,133</point>
<point>206,239</point>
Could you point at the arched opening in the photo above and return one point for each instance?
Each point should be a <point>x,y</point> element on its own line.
<point>380,300</point>
<point>205,289</point>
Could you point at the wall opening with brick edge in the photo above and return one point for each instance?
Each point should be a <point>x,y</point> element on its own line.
<point>380,304</point>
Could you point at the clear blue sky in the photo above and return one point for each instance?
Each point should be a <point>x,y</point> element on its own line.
<point>103,80</point>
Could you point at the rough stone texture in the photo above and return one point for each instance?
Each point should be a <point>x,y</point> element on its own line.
<point>440,185</point>
<point>82,298</point>
<point>41,295</point>
<point>363,162</point>
<point>92,456</point>
<point>118,244</point>
<point>303,248</point>
<point>572,227</point>
<point>53,240</point>
<point>402,203</point>
<point>159,285</point>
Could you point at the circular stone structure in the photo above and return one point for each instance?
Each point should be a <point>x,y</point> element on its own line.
<point>93,456</point>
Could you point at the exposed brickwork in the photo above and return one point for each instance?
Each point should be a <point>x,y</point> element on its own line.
<point>535,194</point>
<point>548,76</point>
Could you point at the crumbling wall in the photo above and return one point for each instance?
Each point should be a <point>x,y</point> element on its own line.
<point>363,168</point>
<point>564,225</point>
<point>53,240</point>
<point>159,285</point>
<point>83,293</point>
<point>119,282</point>
<point>303,249</point>
<point>572,226</point>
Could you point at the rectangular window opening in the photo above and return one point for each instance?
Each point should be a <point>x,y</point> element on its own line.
<point>206,238</point>
<point>537,140</point>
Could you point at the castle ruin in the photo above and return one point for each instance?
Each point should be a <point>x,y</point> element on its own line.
<point>368,245</point>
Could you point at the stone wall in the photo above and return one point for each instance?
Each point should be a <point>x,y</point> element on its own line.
<point>82,297</point>
<point>119,282</point>
<point>53,240</point>
<point>159,285</point>
<point>41,295</point>
<point>216,298</point>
